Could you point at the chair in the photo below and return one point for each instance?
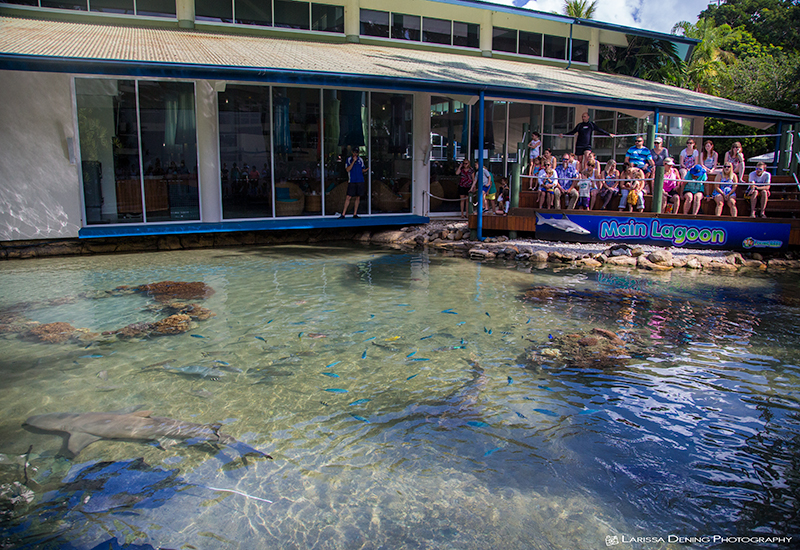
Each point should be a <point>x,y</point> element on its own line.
<point>387,200</point>
<point>289,199</point>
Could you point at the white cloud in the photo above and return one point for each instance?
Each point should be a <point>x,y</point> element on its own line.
<point>641,14</point>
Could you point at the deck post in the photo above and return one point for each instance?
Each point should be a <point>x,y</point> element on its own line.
<point>658,175</point>
<point>776,159</point>
<point>481,116</point>
<point>516,168</point>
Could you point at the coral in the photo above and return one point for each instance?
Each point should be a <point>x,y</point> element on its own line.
<point>174,324</point>
<point>600,349</point>
<point>53,333</point>
<point>166,291</point>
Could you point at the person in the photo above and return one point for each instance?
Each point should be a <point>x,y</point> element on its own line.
<point>535,145</point>
<point>464,184</point>
<point>548,159</point>
<point>548,183</point>
<point>584,130</point>
<point>693,189</point>
<point>503,198</point>
<point>640,157</point>
<point>355,188</point>
<point>566,176</point>
<point>672,187</point>
<point>659,152</point>
<point>489,189</point>
<point>736,157</point>
<point>610,185</point>
<point>725,190</point>
<point>635,195</point>
<point>709,157</point>
<point>688,158</point>
<point>534,169</point>
<point>760,181</point>
<point>596,178</point>
<point>625,185</point>
<point>583,187</point>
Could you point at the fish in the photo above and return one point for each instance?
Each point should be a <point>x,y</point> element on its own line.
<point>360,418</point>
<point>487,314</point>
<point>359,332</point>
<point>506,332</point>
<point>300,335</point>
<point>220,362</point>
<point>510,380</point>
<point>368,339</point>
<point>83,429</point>
<point>460,323</point>
<point>564,224</point>
<point>546,412</point>
<point>449,348</point>
<point>260,338</point>
<point>93,356</point>
<point>478,424</point>
<point>335,390</point>
<point>403,305</point>
<point>332,375</point>
<point>411,354</point>
<point>332,364</point>
<point>268,322</point>
<point>316,335</point>
<point>359,402</point>
<point>364,355</point>
<point>198,336</point>
<point>196,370</point>
<point>412,376</point>
<point>528,321</point>
<point>545,388</point>
<point>450,311</point>
<point>491,451</point>
<point>519,414</point>
<point>426,337</point>
<point>419,359</point>
<point>391,339</point>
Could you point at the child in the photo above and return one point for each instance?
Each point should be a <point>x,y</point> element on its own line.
<point>547,184</point>
<point>535,145</point>
<point>584,188</point>
<point>503,198</point>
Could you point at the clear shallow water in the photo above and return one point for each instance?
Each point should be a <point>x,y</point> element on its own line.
<point>448,435</point>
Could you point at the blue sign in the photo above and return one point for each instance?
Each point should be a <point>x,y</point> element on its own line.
<point>727,234</point>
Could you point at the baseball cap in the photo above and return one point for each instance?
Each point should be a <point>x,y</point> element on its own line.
<point>658,140</point>
<point>669,161</point>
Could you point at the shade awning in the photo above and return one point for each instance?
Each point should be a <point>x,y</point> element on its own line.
<point>83,48</point>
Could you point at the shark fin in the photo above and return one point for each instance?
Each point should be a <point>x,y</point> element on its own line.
<point>143,414</point>
<point>166,442</point>
<point>539,219</point>
<point>79,441</point>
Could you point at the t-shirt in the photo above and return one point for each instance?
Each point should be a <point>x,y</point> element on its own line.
<point>764,179</point>
<point>357,171</point>
<point>689,160</point>
<point>639,156</point>
<point>584,131</point>
<point>466,178</point>
<point>659,158</point>
<point>584,188</point>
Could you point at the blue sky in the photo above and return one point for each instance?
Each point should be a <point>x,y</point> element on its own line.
<point>651,15</point>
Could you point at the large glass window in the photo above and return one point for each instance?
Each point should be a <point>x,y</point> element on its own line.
<point>158,8</point>
<point>447,149</point>
<point>375,23</point>
<point>345,128</point>
<point>391,146</point>
<point>504,40</point>
<point>73,5</point>
<point>557,120</point>
<point>292,15</point>
<point>436,31</point>
<point>530,43</point>
<point>580,51</point>
<point>555,47</point>
<point>244,145</point>
<point>466,34</point>
<point>120,131</point>
<point>405,27</point>
<point>327,18</point>
<point>254,13</point>
<point>113,6</point>
<point>23,2</point>
<point>211,10</point>
<point>297,148</point>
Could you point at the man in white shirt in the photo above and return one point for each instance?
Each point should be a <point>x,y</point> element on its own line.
<point>759,181</point>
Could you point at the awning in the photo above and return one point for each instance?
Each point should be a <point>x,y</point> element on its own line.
<point>83,48</point>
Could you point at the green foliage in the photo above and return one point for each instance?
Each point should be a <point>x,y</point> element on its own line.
<point>647,58</point>
<point>771,22</point>
<point>751,147</point>
<point>709,58</point>
<point>582,9</point>
<point>765,80</point>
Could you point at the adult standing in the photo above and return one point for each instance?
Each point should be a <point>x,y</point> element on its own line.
<point>585,130</point>
<point>464,184</point>
<point>355,188</point>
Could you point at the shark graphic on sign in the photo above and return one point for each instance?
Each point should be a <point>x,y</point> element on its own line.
<point>564,224</point>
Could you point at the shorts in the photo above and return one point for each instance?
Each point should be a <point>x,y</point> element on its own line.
<point>583,202</point>
<point>463,191</point>
<point>356,189</point>
<point>579,151</point>
<point>490,196</point>
<point>751,191</point>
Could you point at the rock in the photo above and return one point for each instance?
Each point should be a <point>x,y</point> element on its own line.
<point>628,261</point>
<point>169,242</point>
<point>755,264</point>
<point>52,333</point>
<point>588,341</point>
<point>693,262</point>
<point>174,324</point>
<point>167,291</point>
<point>612,337</point>
<point>619,250</point>
<point>459,235</point>
<point>644,263</point>
<point>558,257</point>
<point>660,257</point>
<point>588,262</point>
<point>721,266</point>
<point>734,258</point>
<point>757,256</point>
<point>481,254</point>
<point>385,237</point>
<point>636,252</point>
<point>539,257</point>
<point>778,263</point>
<point>551,352</point>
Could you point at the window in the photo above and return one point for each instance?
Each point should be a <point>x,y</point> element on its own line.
<point>530,43</point>
<point>555,47</point>
<point>74,5</point>
<point>291,15</point>
<point>325,18</point>
<point>254,13</point>
<point>113,6</point>
<point>405,27</point>
<point>504,40</point>
<point>466,34</point>
<point>23,2</point>
<point>210,10</point>
<point>436,31</point>
<point>390,164</point>
<point>375,23</point>
<point>158,8</point>
<point>580,51</point>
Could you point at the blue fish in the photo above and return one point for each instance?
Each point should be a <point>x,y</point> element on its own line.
<point>589,411</point>
<point>327,310</point>
<point>521,415</point>
<point>510,380</point>
<point>332,375</point>
<point>300,335</point>
<point>332,364</point>
<point>426,337</point>
<point>261,338</point>
<point>403,305</point>
<point>88,346</point>
<point>487,314</point>
<point>411,311</point>
<point>221,362</point>
<point>360,418</point>
<point>364,355</point>
<point>545,388</point>
<point>478,424</point>
<point>359,402</point>
<point>450,311</point>
<point>299,323</point>
<point>268,322</point>
<point>412,376</point>
<point>368,339</point>
<point>546,412</point>
<point>528,321</point>
<point>419,359</point>
<point>336,390</point>
<point>505,332</point>
<point>485,329</point>
<point>550,336</point>
<point>94,356</point>
<point>197,336</point>
<point>359,332</point>
<point>491,451</point>
<point>460,323</point>
<point>411,354</point>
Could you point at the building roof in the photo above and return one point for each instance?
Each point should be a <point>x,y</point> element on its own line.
<point>83,48</point>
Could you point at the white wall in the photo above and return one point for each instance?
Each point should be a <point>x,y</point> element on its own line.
<point>39,188</point>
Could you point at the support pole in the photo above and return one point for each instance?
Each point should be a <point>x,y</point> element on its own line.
<point>480,166</point>
<point>658,182</point>
<point>777,157</point>
<point>516,168</point>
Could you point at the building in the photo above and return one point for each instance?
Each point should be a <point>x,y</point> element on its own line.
<point>137,117</point>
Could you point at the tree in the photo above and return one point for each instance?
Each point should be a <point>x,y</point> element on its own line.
<point>647,58</point>
<point>771,22</point>
<point>581,9</point>
<point>709,58</point>
<point>768,81</point>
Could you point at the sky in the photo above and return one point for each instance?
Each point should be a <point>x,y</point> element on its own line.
<point>652,15</point>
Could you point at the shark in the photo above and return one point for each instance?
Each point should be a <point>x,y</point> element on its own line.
<point>564,224</point>
<point>83,429</point>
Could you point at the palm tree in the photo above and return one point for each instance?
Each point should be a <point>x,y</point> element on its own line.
<point>581,9</point>
<point>709,57</point>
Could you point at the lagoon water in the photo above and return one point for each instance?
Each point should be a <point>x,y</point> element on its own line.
<point>442,431</point>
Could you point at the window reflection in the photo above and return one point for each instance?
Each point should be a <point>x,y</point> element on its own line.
<point>391,141</point>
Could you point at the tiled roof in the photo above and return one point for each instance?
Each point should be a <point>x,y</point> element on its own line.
<point>30,44</point>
